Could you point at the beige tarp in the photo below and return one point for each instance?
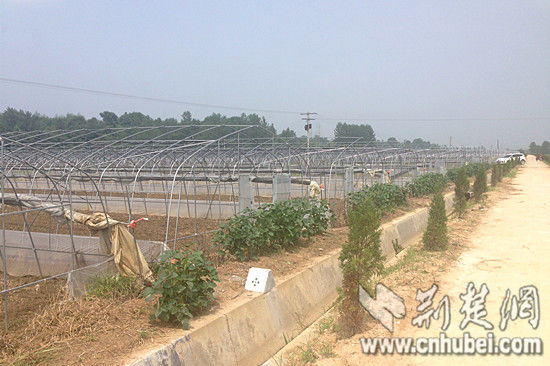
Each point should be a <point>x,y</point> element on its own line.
<point>114,236</point>
<point>128,258</point>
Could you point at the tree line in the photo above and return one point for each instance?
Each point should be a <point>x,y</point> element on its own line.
<point>542,149</point>
<point>19,120</point>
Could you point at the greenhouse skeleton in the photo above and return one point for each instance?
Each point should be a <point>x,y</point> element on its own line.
<point>178,173</point>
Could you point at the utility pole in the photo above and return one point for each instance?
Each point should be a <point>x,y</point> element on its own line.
<point>308,128</point>
<point>450,141</point>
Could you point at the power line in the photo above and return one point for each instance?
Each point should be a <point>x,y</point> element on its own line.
<point>259,110</point>
<point>139,97</point>
<point>443,119</point>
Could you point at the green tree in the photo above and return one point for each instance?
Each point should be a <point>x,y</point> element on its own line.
<point>287,133</point>
<point>109,118</point>
<point>435,237</point>
<point>480,184</point>
<point>360,259</point>
<point>186,118</point>
<point>421,144</point>
<point>392,141</point>
<point>462,186</point>
<point>344,130</point>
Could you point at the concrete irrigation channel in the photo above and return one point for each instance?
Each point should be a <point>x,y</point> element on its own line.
<point>252,332</point>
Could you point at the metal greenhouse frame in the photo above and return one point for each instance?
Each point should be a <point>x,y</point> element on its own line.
<point>178,174</point>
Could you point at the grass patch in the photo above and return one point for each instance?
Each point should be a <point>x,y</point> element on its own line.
<point>307,353</point>
<point>112,287</point>
<point>408,261</point>
<point>326,350</point>
<point>325,325</point>
<point>315,350</point>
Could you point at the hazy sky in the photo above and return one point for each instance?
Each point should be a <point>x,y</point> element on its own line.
<point>407,68</point>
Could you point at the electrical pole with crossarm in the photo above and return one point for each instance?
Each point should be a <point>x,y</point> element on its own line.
<point>308,128</point>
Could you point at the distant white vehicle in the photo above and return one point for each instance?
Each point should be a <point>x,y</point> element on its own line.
<point>515,155</point>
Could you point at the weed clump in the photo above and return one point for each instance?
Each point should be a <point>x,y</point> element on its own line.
<point>112,287</point>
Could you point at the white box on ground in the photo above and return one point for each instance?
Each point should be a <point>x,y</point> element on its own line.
<point>259,280</point>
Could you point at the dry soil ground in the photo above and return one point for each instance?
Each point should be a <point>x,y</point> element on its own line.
<point>505,246</point>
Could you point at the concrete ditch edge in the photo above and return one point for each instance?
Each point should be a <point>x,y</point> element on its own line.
<point>251,333</point>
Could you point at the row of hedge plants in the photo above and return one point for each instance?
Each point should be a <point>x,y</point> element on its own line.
<point>499,171</point>
<point>384,196</point>
<point>427,184</point>
<point>471,170</point>
<point>272,227</point>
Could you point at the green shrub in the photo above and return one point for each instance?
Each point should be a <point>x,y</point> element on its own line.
<point>435,236</point>
<point>360,258</point>
<point>452,174</point>
<point>114,287</point>
<point>480,184</point>
<point>272,227</point>
<point>427,184</point>
<point>510,165</point>
<point>384,196</point>
<point>183,287</point>
<point>473,169</point>
<point>494,175</point>
<point>500,170</point>
<point>506,169</point>
<point>462,186</point>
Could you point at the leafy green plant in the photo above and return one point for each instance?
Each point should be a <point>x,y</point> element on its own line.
<point>435,236</point>
<point>384,196</point>
<point>427,184</point>
<point>272,227</point>
<point>114,287</point>
<point>462,186</point>
<point>360,259</point>
<point>480,184</point>
<point>184,286</point>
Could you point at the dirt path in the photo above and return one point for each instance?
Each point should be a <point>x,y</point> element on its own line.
<point>509,248</point>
